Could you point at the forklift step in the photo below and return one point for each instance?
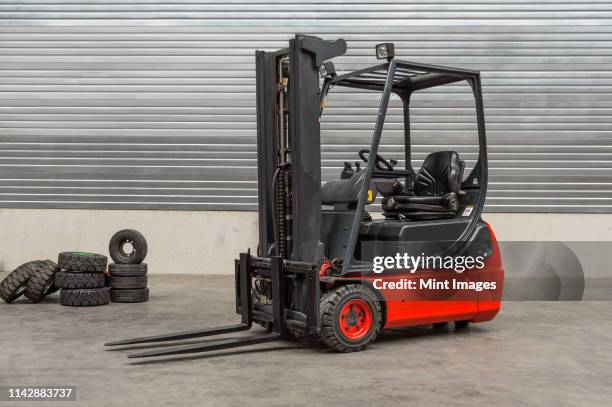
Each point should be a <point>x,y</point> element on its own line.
<point>178,336</point>
<point>210,346</point>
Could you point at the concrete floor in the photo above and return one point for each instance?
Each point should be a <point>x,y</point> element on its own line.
<point>533,353</point>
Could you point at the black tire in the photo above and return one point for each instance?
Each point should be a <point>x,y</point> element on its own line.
<point>52,265</point>
<point>128,270</point>
<point>42,280</point>
<point>72,281</point>
<point>128,283</point>
<point>332,304</point>
<point>135,239</point>
<point>15,284</point>
<point>88,297</point>
<point>461,324</point>
<point>130,296</point>
<point>82,262</point>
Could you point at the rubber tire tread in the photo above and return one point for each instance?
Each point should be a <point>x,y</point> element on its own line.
<point>130,296</point>
<point>73,281</point>
<point>16,279</point>
<point>128,283</point>
<point>56,267</point>
<point>139,244</point>
<point>330,306</point>
<point>73,261</point>
<point>42,280</point>
<point>87,297</point>
<point>128,270</point>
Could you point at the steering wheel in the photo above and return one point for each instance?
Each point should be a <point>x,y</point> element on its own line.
<point>380,163</point>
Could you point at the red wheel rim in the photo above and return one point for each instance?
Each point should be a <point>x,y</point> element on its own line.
<point>355,319</point>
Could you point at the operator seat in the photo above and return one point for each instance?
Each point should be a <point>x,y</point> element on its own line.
<point>435,190</point>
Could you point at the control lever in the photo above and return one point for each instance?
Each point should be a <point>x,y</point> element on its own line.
<point>347,172</point>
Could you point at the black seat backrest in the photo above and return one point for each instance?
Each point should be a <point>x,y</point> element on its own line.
<point>441,173</point>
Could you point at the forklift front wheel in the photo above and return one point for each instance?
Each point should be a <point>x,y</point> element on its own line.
<point>350,318</point>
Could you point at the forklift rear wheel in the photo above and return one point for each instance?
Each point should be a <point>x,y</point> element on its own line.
<point>350,318</point>
<point>461,324</point>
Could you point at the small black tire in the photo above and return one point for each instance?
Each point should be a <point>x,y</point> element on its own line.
<point>461,324</point>
<point>15,284</point>
<point>82,262</point>
<point>135,239</point>
<point>72,281</point>
<point>333,304</point>
<point>130,296</point>
<point>128,270</point>
<point>42,280</point>
<point>128,283</point>
<point>87,297</point>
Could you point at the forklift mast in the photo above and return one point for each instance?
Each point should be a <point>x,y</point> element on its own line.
<point>289,147</point>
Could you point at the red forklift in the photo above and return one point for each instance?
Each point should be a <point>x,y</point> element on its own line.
<point>312,275</point>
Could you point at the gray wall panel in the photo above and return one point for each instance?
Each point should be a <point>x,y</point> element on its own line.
<point>150,103</point>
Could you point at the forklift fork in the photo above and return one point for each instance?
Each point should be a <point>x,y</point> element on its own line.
<point>243,303</point>
<point>211,346</point>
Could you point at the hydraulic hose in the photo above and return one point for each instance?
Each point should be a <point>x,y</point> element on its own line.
<point>278,207</point>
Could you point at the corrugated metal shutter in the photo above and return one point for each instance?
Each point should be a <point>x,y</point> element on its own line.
<point>150,104</point>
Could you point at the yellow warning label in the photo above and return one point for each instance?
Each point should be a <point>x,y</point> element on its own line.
<point>370,195</point>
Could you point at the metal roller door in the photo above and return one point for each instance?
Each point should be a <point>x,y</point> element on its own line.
<point>151,104</point>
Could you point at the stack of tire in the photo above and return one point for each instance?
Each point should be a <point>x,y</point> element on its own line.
<point>34,279</point>
<point>82,279</point>
<point>128,273</point>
